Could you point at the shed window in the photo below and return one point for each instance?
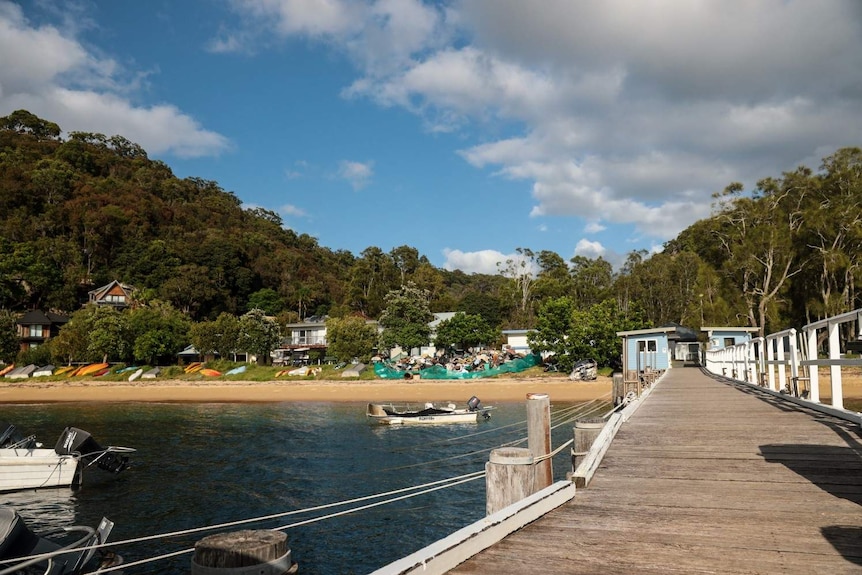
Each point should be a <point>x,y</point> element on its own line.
<point>646,345</point>
<point>729,342</point>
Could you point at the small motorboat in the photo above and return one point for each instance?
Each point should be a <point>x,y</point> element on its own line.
<point>404,414</point>
<point>23,552</point>
<point>25,464</point>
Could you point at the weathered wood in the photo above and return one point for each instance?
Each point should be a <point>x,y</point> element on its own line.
<point>618,391</point>
<point>585,433</point>
<point>259,552</point>
<point>510,475</point>
<point>706,476</point>
<point>539,436</point>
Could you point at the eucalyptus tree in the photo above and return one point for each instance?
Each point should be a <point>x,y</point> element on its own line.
<point>520,270</point>
<point>592,280</point>
<point>554,278</point>
<point>833,233</point>
<point>757,235</point>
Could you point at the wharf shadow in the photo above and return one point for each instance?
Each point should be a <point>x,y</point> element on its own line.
<point>836,470</point>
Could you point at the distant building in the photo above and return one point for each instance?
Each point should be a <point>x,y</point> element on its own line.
<point>36,327</point>
<point>114,294</point>
<point>722,337</point>
<point>516,340</point>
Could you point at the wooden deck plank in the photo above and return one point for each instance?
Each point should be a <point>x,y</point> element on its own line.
<point>706,477</point>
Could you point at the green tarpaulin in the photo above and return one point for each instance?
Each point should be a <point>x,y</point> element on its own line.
<point>385,371</point>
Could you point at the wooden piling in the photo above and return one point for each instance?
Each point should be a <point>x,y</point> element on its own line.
<point>247,552</point>
<point>510,475</point>
<point>539,436</point>
<point>585,433</point>
<point>619,388</point>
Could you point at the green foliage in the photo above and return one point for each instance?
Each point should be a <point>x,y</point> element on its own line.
<point>464,331</point>
<point>159,332</point>
<point>350,337</point>
<point>258,334</point>
<point>571,334</point>
<point>221,336</point>
<point>38,356</point>
<point>405,319</point>
<point>266,299</point>
<point>8,336</point>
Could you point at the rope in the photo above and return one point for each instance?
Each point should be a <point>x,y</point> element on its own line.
<point>478,475</point>
<point>554,452</point>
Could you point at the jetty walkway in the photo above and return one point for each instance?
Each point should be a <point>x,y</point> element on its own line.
<point>708,476</point>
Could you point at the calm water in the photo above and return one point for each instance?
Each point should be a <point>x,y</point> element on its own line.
<point>205,464</point>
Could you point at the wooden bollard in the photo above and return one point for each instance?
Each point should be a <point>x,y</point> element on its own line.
<point>509,477</point>
<point>619,388</point>
<point>248,552</point>
<point>539,436</point>
<point>585,431</point>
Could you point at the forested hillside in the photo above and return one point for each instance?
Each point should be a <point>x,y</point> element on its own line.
<point>80,211</point>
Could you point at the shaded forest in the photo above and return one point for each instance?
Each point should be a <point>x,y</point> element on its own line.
<point>80,211</point>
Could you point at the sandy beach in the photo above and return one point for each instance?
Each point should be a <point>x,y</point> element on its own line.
<point>559,388</point>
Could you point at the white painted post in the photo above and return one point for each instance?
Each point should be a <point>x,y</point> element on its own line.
<point>835,370</point>
<point>770,367</point>
<point>794,362</point>
<point>782,368</point>
<point>813,370</point>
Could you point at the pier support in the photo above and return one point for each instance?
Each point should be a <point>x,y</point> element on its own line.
<point>510,475</point>
<point>539,436</point>
<point>585,433</point>
<point>248,552</point>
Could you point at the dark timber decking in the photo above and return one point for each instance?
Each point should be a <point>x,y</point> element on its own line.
<point>706,477</point>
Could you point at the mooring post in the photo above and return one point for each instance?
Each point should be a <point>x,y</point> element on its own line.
<point>539,436</point>
<point>247,552</point>
<point>585,433</point>
<point>619,388</point>
<point>509,477</point>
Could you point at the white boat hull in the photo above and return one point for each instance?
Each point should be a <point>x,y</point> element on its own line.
<point>401,415</point>
<point>37,468</point>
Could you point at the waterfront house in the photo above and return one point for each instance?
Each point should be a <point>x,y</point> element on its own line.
<point>516,341</point>
<point>36,327</point>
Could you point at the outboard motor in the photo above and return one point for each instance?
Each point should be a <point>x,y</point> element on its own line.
<point>474,404</point>
<point>74,440</point>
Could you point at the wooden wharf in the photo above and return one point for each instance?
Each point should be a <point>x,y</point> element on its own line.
<point>707,476</point>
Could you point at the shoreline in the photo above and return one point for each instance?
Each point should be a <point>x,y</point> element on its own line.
<point>333,391</point>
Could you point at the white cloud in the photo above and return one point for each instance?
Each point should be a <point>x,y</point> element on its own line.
<point>594,227</point>
<point>359,174</point>
<point>292,211</point>
<point>481,262</point>
<point>589,249</point>
<point>54,76</point>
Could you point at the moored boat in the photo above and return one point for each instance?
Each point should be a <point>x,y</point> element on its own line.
<point>393,414</point>
<point>25,464</point>
<point>24,552</point>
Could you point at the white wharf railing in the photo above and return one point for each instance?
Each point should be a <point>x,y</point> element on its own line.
<point>787,362</point>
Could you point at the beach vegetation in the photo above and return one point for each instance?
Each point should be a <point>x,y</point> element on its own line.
<point>350,337</point>
<point>82,209</point>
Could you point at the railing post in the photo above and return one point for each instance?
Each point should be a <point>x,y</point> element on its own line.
<point>813,370</point>
<point>539,436</point>
<point>835,370</point>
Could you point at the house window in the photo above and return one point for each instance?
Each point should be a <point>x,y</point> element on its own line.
<point>112,298</point>
<point>36,331</point>
<point>646,345</point>
<point>729,342</point>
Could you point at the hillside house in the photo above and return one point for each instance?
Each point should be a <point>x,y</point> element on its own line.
<point>37,327</point>
<point>115,294</point>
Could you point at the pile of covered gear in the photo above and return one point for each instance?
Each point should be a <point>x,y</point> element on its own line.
<point>441,365</point>
<point>585,370</point>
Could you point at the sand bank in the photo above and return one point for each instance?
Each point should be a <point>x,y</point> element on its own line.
<point>203,391</point>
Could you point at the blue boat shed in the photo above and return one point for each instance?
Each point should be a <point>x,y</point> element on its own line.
<point>646,350</point>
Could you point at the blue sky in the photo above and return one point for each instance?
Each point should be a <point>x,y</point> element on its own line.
<point>466,129</point>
